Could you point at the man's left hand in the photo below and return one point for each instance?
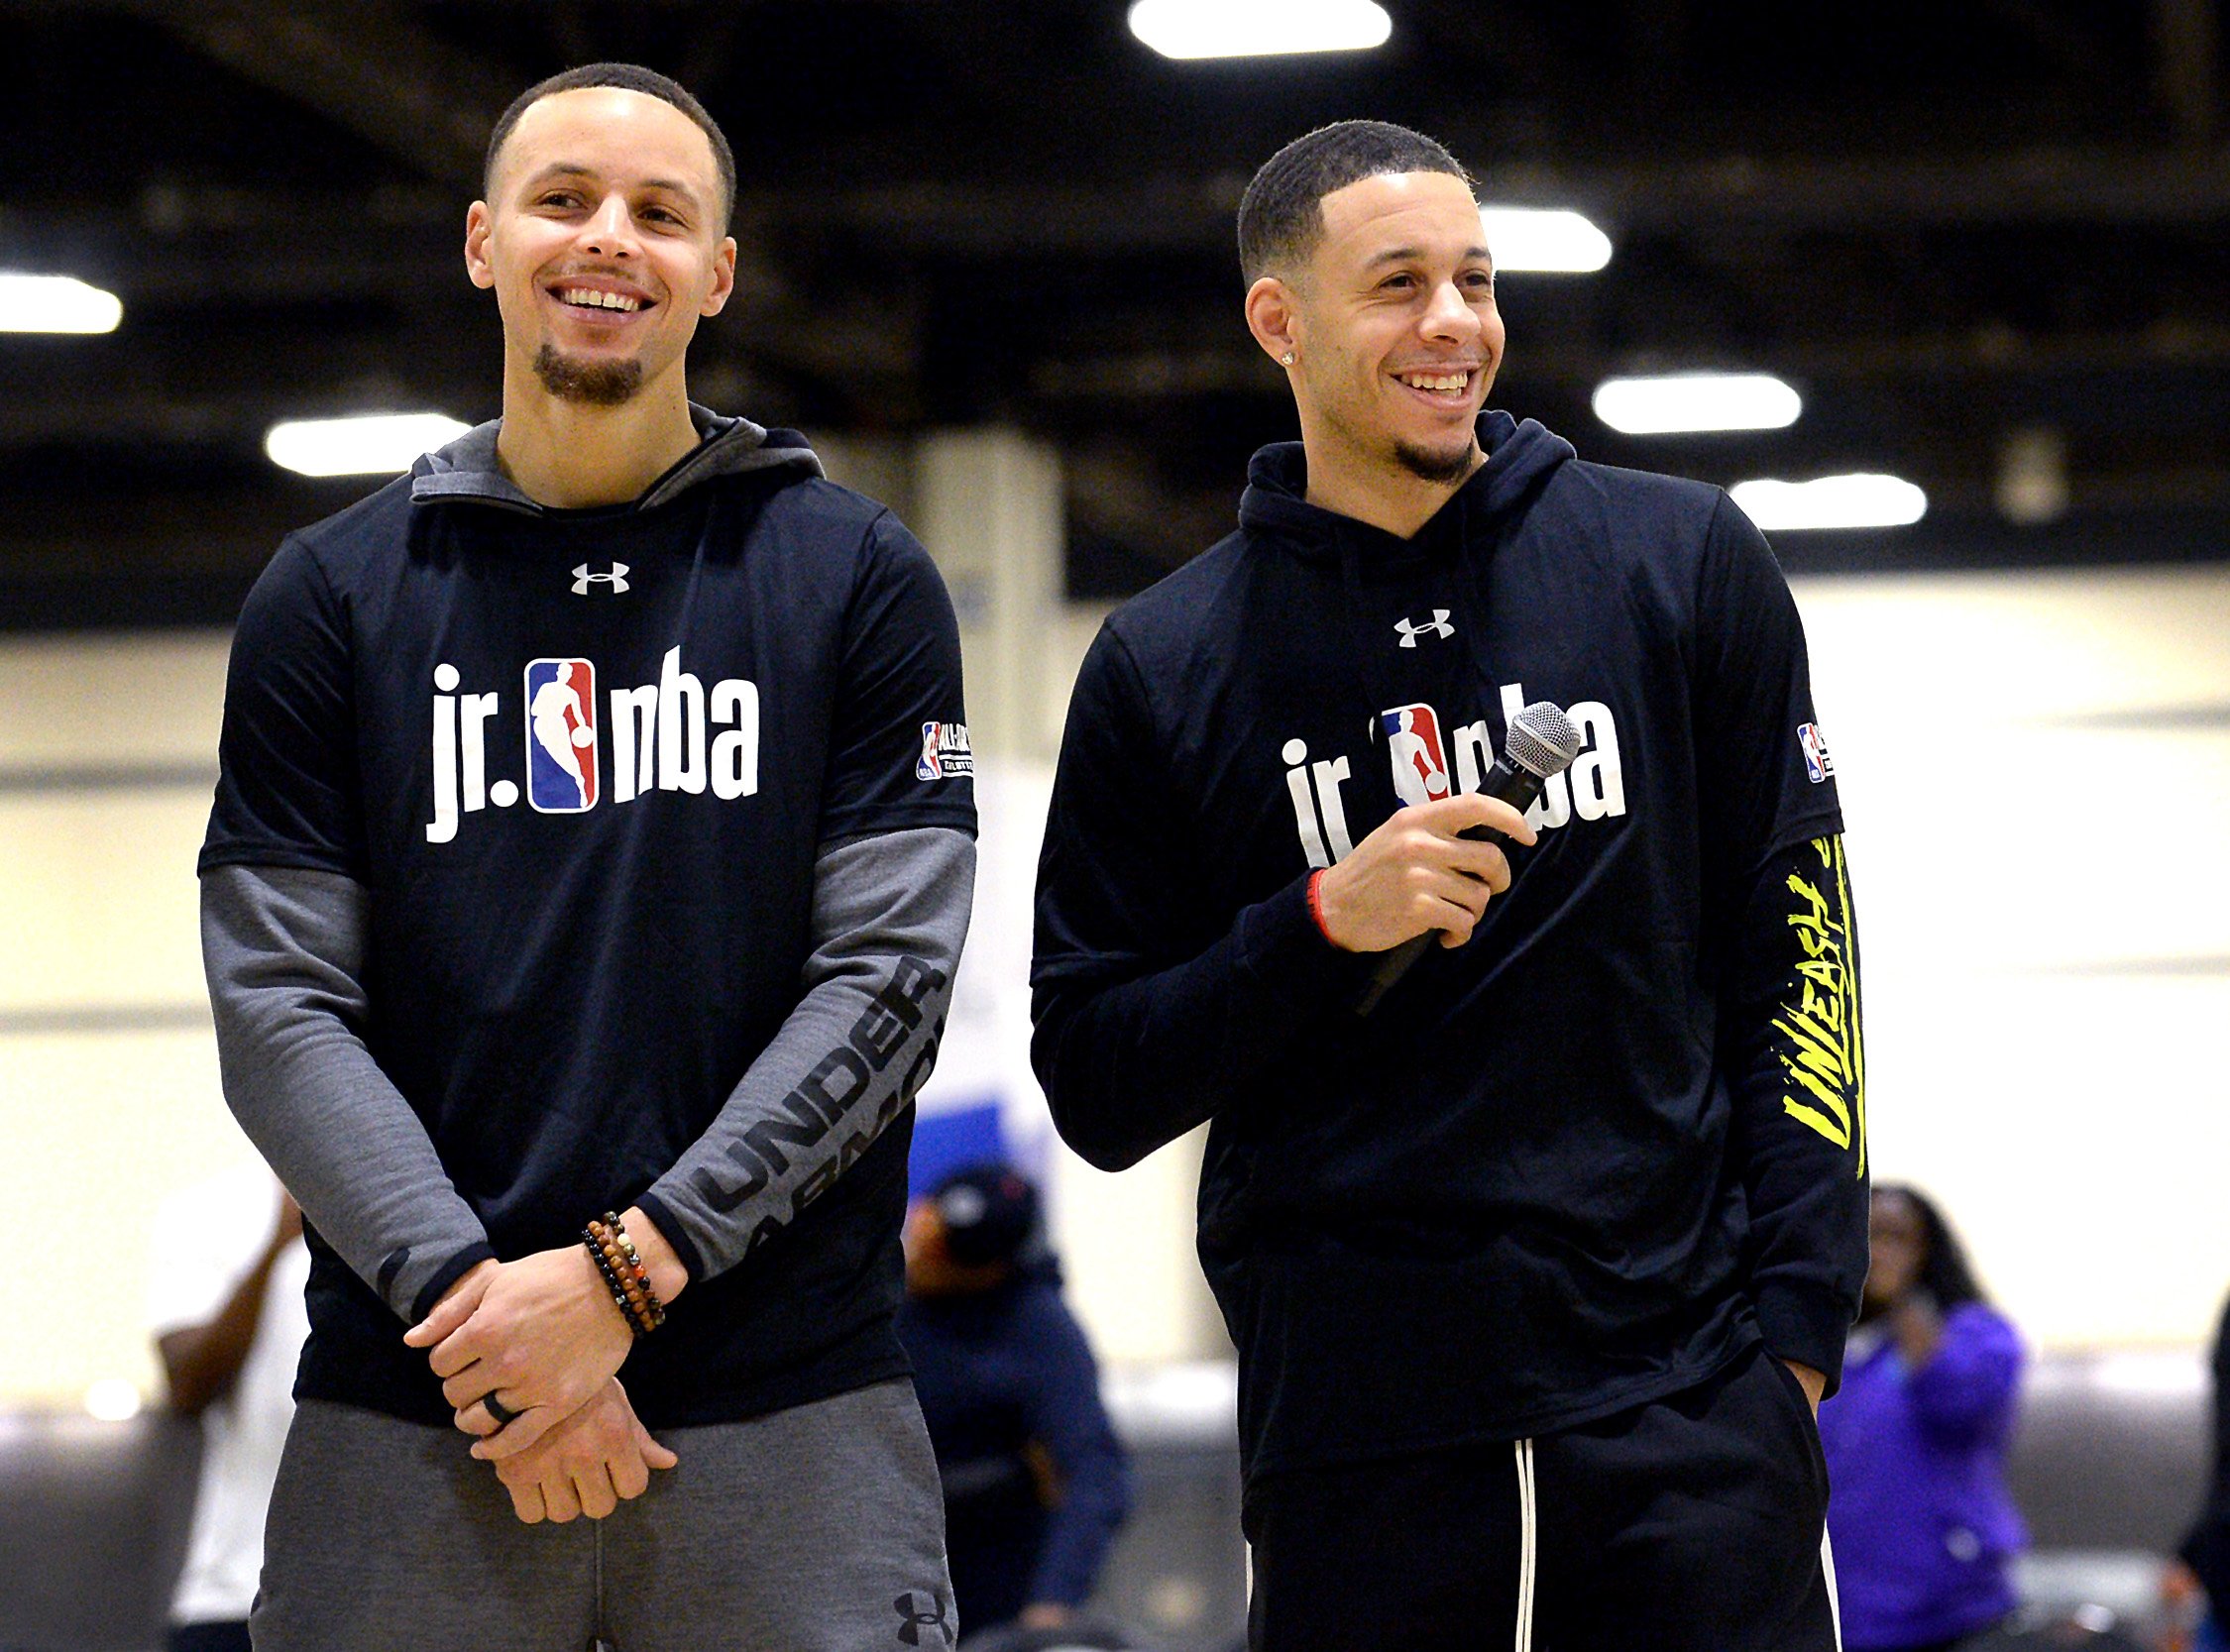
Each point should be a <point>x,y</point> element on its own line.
<point>1813,1383</point>
<point>543,1338</point>
<point>589,1463</point>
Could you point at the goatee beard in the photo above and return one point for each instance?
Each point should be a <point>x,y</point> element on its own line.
<point>1442,468</point>
<point>594,384</point>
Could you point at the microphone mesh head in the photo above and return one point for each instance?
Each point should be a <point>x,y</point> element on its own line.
<point>1542,739</point>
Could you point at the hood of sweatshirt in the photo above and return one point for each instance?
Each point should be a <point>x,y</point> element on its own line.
<point>467,471</point>
<point>1519,458</point>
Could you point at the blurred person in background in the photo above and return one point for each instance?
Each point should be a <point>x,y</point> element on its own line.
<point>225,1305</point>
<point>2197,1582</point>
<point>1924,1529</point>
<point>1036,1485</point>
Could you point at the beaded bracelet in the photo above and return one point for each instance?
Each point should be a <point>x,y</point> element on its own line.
<point>629,1269</point>
<point>628,1244</point>
<point>638,1303</point>
<point>617,1254</point>
<point>610,1281</point>
<point>639,1307</point>
<point>630,1300</point>
<point>656,1310</point>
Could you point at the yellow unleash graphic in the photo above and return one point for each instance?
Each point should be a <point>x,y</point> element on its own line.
<point>1825,1056</point>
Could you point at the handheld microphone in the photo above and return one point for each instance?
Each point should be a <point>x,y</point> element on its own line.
<point>1541,742</point>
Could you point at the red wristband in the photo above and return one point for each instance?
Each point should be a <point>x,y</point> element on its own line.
<point>1317,905</point>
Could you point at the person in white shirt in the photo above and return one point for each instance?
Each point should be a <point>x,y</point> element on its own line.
<point>225,1305</point>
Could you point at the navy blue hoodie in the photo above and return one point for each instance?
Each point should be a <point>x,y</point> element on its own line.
<point>1567,1167</point>
<point>569,968</point>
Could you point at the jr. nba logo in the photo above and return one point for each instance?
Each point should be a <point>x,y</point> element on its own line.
<point>1413,741</point>
<point>561,736</point>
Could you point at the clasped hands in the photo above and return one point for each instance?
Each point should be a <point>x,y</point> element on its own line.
<point>542,1337</point>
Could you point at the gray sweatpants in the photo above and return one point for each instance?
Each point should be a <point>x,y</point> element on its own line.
<point>817,1529</point>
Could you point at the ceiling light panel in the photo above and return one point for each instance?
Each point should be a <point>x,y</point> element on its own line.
<point>1681,403</point>
<point>56,304</point>
<point>1547,240</point>
<point>1859,501</point>
<point>1192,29</point>
<point>366,444</point>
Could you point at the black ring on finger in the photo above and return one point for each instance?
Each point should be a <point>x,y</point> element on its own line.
<point>504,1416</point>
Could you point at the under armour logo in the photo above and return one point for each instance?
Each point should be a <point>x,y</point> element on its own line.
<point>583,579</point>
<point>913,1619</point>
<point>1438,626</point>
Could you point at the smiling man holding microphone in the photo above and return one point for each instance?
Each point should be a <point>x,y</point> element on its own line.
<point>1538,1269</point>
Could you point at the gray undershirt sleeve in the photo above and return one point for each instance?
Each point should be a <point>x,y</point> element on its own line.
<point>283,949</point>
<point>889,916</point>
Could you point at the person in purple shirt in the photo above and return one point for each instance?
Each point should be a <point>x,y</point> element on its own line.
<point>1922,1528</point>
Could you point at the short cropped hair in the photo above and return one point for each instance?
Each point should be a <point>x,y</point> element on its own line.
<point>1281,214</point>
<point>630,77</point>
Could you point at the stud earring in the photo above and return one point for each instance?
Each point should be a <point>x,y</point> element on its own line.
<point>1288,358</point>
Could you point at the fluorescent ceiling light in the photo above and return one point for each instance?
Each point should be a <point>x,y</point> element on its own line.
<point>1259,28</point>
<point>1547,240</point>
<point>1674,403</point>
<point>113,1400</point>
<point>366,445</point>
<point>1832,501</point>
<point>56,304</point>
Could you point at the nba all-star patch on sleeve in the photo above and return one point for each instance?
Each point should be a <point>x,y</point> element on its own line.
<point>945,752</point>
<point>286,786</point>
<point>899,753</point>
<point>1796,1066</point>
<point>1818,765</point>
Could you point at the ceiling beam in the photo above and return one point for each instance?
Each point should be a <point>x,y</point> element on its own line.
<point>166,248</point>
<point>1237,365</point>
<point>374,73</point>
<point>2186,45</point>
<point>1864,196</point>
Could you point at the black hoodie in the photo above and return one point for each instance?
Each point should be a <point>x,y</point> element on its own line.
<point>581,769</point>
<point>1516,1197</point>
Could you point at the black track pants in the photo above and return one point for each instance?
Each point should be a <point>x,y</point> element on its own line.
<point>1691,1525</point>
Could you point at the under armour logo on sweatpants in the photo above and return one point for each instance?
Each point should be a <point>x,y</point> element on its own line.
<point>1438,626</point>
<point>583,579</point>
<point>913,1619</point>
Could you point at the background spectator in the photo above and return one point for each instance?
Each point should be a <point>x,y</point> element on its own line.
<point>226,1309</point>
<point>2200,1575</point>
<point>1036,1485</point>
<point>1924,1529</point>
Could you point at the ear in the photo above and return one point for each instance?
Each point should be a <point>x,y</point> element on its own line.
<point>724,278</point>
<point>1273,317</point>
<point>476,226</point>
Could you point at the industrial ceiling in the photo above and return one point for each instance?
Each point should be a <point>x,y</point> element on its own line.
<point>1988,243</point>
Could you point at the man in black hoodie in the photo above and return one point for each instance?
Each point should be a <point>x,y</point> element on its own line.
<point>1538,1270</point>
<point>591,855</point>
